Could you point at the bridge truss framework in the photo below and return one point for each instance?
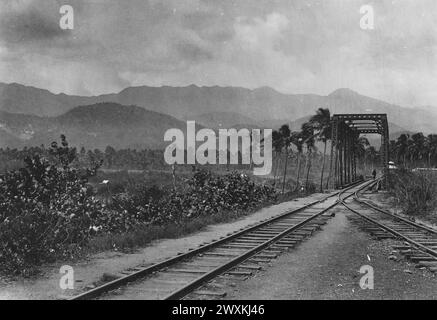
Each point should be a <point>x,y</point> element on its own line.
<point>346,128</point>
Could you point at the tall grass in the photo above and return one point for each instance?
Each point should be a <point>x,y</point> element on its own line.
<point>128,241</point>
<point>415,192</point>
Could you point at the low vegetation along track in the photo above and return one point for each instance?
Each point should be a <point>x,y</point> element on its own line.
<point>197,274</point>
<point>419,241</point>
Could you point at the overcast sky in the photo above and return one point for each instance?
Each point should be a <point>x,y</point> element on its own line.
<point>294,46</point>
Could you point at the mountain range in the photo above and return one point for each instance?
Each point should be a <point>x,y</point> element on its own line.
<point>93,126</point>
<point>139,116</point>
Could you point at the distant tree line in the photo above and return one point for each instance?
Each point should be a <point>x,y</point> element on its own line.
<point>295,154</point>
<point>122,159</point>
<point>415,150</point>
<point>112,159</point>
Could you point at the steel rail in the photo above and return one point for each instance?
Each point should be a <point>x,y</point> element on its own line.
<point>411,223</point>
<point>388,229</point>
<point>234,262</point>
<point>114,284</point>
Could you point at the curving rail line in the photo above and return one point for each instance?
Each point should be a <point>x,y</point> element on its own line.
<point>420,241</point>
<point>238,254</point>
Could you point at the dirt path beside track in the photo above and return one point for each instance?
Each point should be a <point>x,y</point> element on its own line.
<point>327,266</point>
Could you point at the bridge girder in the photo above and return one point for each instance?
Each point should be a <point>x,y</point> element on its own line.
<point>346,128</point>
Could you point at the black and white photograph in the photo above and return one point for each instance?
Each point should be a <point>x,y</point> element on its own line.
<point>219,154</point>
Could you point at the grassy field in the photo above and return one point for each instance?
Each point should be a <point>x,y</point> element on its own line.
<point>122,180</point>
<point>415,193</point>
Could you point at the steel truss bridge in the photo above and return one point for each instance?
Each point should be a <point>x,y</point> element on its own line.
<point>346,128</point>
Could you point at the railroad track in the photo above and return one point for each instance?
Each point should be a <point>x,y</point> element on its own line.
<point>419,241</point>
<point>198,272</point>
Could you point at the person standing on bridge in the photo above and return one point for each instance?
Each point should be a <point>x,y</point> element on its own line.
<point>374,173</point>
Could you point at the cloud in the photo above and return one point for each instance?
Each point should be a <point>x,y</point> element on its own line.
<point>189,51</point>
<point>28,22</point>
<point>293,46</point>
<point>260,32</point>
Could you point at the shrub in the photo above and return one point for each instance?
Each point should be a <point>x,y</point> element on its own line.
<point>415,192</point>
<point>46,211</point>
<point>205,195</point>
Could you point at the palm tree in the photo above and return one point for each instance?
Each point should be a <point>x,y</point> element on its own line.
<point>308,138</point>
<point>285,133</point>
<point>109,155</point>
<point>432,147</point>
<point>372,155</point>
<point>402,147</point>
<point>393,151</point>
<point>411,151</point>
<point>278,144</point>
<point>361,143</point>
<point>417,147</point>
<point>322,123</point>
<point>297,140</point>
